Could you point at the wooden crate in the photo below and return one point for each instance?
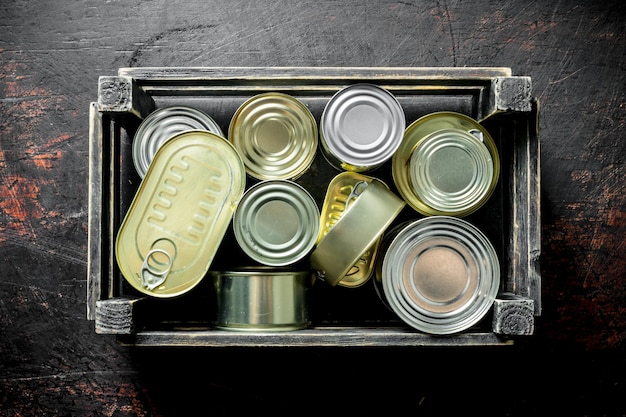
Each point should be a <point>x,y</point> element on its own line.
<point>503,103</point>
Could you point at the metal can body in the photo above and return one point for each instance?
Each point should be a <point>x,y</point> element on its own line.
<point>180,213</point>
<point>161,125</point>
<point>276,136</point>
<point>276,222</point>
<point>361,127</point>
<point>261,299</point>
<point>447,164</point>
<point>439,274</point>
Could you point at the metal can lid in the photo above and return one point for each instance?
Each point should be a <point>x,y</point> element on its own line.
<point>276,222</point>
<point>276,135</point>
<point>362,126</point>
<point>180,214</point>
<point>447,164</point>
<point>161,125</point>
<point>356,231</point>
<point>440,274</point>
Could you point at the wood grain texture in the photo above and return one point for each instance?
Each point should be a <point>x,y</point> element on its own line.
<point>51,55</point>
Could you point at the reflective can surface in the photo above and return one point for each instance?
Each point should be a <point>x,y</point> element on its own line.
<point>447,164</point>
<point>342,191</point>
<point>180,213</point>
<point>361,127</point>
<point>161,125</point>
<point>276,222</point>
<point>355,232</point>
<point>276,136</point>
<point>261,299</point>
<point>439,274</point>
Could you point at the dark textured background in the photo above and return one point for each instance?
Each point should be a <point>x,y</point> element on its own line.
<point>51,54</point>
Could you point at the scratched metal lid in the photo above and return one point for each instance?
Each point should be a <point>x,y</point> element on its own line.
<point>276,222</point>
<point>161,125</point>
<point>342,192</point>
<point>447,164</point>
<point>180,213</point>
<point>440,274</point>
<point>361,127</point>
<point>276,135</point>
<point>356,231</point>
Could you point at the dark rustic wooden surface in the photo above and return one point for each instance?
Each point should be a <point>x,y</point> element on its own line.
<point>51,54</point>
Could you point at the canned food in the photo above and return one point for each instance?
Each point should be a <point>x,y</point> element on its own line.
<point>343,190</point>
<point>161,125</point>
<point>439,274</point>
<point>447,164</point>
<point>356,231</point>
<point>180,213</point>
<point>276,135</point>
<point>261,299</point>
<point>276,222</point>
<point>361,127</point>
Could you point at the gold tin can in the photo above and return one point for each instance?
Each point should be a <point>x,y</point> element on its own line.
<point>355,232</point>
<point>342,191</point>
<point>276,222</point>
<point>361,127</point>
<point>261,299</point>
<point>161,125</point>
<point>447,164</point>
<point>276,136</point>
<point>180,213</point>
<point>439,274</point>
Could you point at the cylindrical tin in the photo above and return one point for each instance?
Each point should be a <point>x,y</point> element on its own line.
<point>261,299</point>
<point>447,164</point>
<point>342,191</point>
<point>361,127</point>
<point>162,124</point>
<point>439,274</point>
<point>180,214</point>
<point>276,222</point>
<point>276,136</point>
<point>356,231</point>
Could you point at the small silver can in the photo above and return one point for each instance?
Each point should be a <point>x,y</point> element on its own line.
<point>163,124</point>
<point>361,127</point>
<point>276,222</point>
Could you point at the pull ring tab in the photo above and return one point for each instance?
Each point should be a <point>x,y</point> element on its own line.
<point>477,134</point>
<point>155,268</point>
<point>357,190</point>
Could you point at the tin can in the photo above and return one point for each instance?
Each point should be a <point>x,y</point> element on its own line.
<point>342,191</point>
<point>180,213</point>
<point>439,274</point>
<point>361,127</point>
<point>276,222</point>
<point>161,125</point>
<point>276,135</point>
<point>261,299</point>
<point>447,164</point>
<point>355,232</point>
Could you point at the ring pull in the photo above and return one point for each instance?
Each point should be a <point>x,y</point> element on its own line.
<point>155,269</point>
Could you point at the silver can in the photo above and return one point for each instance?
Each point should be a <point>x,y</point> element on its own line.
<point>361,127</point>
<point>163,124</point>
<point>276,222</point>
<point>439,274</point>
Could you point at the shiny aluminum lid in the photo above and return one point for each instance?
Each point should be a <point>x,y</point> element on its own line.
<point>447,164</point>
<point>180,213</point>
<point>161,125</point>
<point>440,274</point>
<point>276,135</point>
<point>276,222</point>
<point>361,127</point>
